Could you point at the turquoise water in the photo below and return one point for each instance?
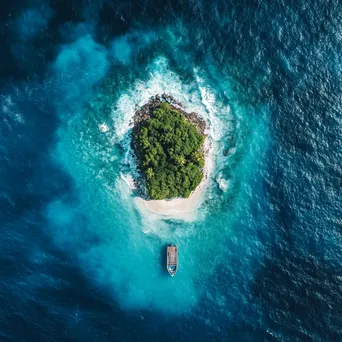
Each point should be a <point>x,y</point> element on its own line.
<point>259,260</point>
<point>129,259</point>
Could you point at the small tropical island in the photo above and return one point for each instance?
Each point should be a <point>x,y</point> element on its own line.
<point>168,144</point>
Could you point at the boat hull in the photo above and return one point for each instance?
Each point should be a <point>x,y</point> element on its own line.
<point>172,259</point>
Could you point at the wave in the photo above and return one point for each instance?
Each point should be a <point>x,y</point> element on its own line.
<point>127,258</point>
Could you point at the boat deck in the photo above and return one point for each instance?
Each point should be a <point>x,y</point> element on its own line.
<point>172,256</point>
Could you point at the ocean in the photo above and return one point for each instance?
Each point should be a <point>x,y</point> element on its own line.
<point>261,258</point>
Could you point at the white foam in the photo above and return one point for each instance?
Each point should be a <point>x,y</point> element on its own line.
<point>197,97</point>
<point>122,114</point>
<point>129,180</point>
<point>222,183</point>
<point>214,108</point>
<point>163,80</point>
<point>130,237</point>
<point>103,128</point>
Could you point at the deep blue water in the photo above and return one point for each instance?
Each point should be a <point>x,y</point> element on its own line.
<point>261,261</point>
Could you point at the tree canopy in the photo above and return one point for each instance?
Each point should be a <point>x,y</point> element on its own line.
<point>169,154</point>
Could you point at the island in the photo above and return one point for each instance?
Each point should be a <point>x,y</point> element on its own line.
<point>169,147</point>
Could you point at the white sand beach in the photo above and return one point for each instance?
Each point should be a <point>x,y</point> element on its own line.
<point>182,208</point>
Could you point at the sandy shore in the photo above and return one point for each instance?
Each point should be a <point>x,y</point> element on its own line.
<point>182,208</point>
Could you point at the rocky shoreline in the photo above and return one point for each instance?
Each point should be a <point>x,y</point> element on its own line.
<point>145,112</point>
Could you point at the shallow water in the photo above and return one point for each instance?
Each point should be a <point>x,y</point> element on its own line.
<point>261,259</point>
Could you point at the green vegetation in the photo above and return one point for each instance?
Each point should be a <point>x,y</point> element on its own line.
<point>169,154</point>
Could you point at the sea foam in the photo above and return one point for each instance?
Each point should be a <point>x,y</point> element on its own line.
<point>128,256</point>
<point>163,80</point>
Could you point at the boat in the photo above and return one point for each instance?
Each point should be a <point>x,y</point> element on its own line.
<point>172,259</point>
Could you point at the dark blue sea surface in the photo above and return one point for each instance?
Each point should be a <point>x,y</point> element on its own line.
<point>260,260</point>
